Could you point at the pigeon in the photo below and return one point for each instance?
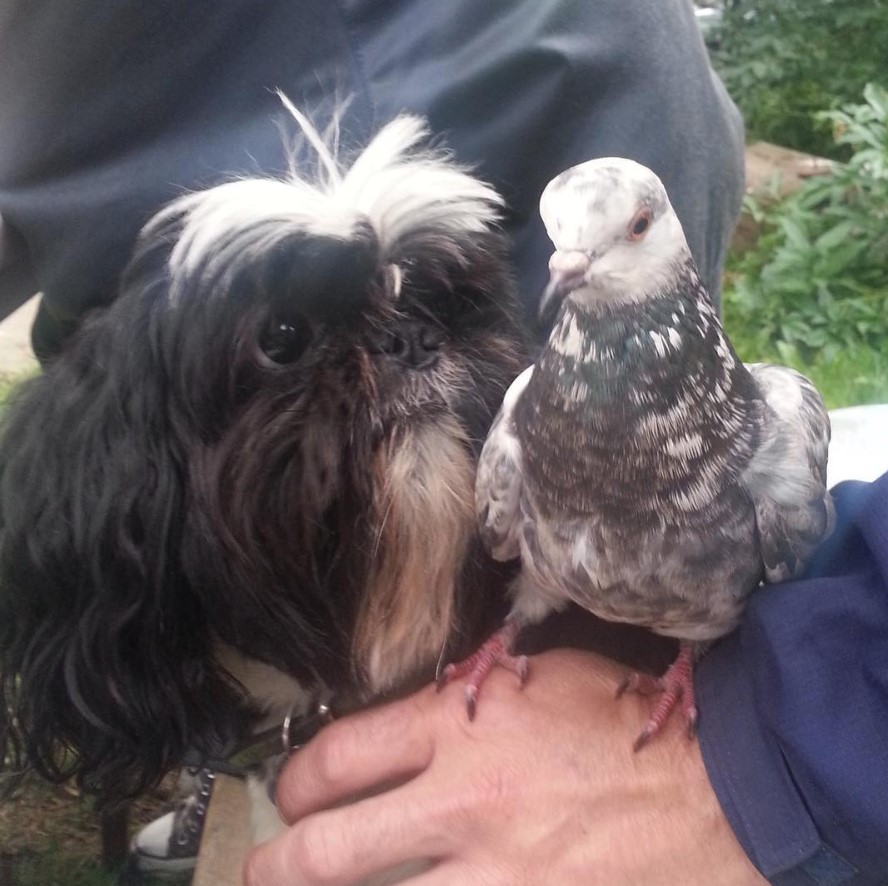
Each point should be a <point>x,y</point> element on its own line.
<point>639,469</point>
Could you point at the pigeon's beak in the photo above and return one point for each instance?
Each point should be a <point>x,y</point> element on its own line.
<point>567,272</point>
<point>551,298</point>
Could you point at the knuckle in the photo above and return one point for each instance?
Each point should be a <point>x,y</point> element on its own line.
<point>252,870</point>
<point>332,755</point>
<point>316,853</point>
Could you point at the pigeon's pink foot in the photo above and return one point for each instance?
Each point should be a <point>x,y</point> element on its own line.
<point>496,650</point>
<point>677,688</point>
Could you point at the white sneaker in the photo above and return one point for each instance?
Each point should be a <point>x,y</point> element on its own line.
<point>168,846</point>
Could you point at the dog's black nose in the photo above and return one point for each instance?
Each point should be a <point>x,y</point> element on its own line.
<point>412,343</point>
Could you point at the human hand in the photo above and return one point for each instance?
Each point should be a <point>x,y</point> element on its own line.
<point>542,788</point>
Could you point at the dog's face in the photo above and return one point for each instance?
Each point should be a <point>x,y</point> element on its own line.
<point>263,451</point>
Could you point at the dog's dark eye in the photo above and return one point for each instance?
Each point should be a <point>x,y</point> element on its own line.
<point>285,339</point>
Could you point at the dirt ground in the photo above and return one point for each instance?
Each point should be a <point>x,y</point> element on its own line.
<point>41,818</point>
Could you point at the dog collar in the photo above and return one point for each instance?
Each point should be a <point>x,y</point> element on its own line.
<point>292,734</point>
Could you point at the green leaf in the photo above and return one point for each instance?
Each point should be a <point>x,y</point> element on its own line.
<point>795,233</point>
<point>834,237</point>
<point>788,353</point>
<point>877,99</point>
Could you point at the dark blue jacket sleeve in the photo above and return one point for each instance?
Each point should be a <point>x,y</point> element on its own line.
<point>794,710</point>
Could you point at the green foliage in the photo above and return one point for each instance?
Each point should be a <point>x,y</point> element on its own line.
<point>784,60</point>
<point>856,375</point>
<point>56,868</point>
<point>815,286</point>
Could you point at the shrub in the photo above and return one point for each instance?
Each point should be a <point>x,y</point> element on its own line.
<point>816,283</point>
<point>783,60</point>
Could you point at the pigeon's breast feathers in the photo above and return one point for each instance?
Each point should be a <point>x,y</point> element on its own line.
<point>637,379</point>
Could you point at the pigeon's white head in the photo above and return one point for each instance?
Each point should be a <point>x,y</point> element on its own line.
<point>616,236</point>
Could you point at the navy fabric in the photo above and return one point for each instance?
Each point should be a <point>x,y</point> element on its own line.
<point>794,710</point>
<point>108,110</point>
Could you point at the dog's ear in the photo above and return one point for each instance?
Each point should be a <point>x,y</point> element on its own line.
<point>101,642</point>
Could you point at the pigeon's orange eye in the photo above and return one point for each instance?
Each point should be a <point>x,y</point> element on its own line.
<point>640,223</point>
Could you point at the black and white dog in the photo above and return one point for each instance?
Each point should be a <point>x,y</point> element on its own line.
<point>249,482</point>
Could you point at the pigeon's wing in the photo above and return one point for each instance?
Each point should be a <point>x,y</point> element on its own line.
<point>786,478</point>
<point>498,481</point>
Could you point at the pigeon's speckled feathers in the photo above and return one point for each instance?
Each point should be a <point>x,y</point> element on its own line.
<point>787,476</point>
<point>498,479</point>
<point>640,469</point>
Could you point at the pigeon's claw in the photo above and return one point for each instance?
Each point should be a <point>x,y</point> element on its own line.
<point>496,650</point>
<point>677,688</point>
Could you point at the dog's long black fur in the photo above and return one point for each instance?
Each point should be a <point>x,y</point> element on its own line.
<point>208,466</point>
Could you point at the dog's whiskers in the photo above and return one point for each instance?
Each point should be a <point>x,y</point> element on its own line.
<point>381,530</point>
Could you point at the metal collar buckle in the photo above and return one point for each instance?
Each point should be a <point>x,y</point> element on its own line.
<point>296,731</point>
